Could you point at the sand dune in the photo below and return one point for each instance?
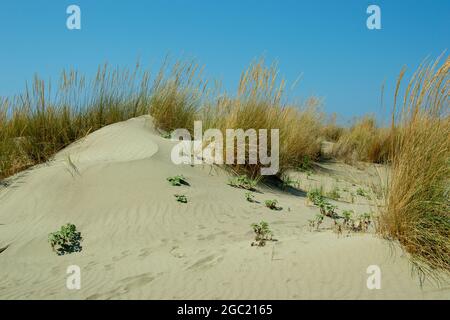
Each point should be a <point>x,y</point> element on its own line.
<point>140,243</point>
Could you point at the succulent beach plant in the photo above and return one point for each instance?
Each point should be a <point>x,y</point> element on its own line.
<point>243,182</point>
<point>272,204</point>
<point>177,180</point>
<point>262,233</point>
<point>181,198</point>
<point>249,197</point>
<point>315,196</point>
<point>327,209</point>
<point>66,240</point>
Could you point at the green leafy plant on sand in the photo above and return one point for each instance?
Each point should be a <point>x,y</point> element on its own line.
<point>167,135</point>
<point>362,193</point>
<point>249,197</point>
<point>177,180</point>
<point>315,196</point>
<point>347,216</point>
<point>287,182</point>
<point>243,182</point>
<point>327,209</point>
<point>66,240</point>
<point>181,198</point>
<point>272,204</point>
<point>305,165</point>
<point>262,234</point>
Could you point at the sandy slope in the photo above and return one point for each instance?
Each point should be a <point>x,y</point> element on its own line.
<point>140,243</point>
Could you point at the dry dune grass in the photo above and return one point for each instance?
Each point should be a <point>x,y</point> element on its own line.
<point>330,131</point>
<point>40,122</point>
<point>259,104</point>
<point>417,210</point>
<point>176,98</point>
<point>364,141</point>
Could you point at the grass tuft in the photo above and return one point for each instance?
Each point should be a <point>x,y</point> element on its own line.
<point>417,206</point>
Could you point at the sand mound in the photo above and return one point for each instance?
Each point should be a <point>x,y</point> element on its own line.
<point>140,243</point>
<point>119,142</point>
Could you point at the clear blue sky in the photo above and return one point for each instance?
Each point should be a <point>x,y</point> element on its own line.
<point>325,41</point>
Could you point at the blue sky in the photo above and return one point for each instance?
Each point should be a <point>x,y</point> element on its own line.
<point>325,41</point>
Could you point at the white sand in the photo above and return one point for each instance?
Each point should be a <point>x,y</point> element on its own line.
<point>140,243</point>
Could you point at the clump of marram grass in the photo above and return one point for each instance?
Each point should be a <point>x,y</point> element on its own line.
<point>41,121</point>
<point>330,131</point>
<point>417,205</point>
<point>176,98</point>
<point>364,141</point>
<point>260,103</point>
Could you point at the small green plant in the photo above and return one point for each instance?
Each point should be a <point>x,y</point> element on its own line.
<point>181,198</point>
<point>305,165</point>
<point>66,240</point>
<point>287,182</point>
<point>249,197</point>
<point>177,180</point>
<point>243,182</point>
<point>315,196</point>
<point>347,216</point>
<point>316,222</point>
<point>362,193</point>
<point>327,209</point>
<point>167,135</point>
<point>262,233</point>
<point>272,204</point>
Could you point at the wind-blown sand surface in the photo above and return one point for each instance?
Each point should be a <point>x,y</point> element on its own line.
<point>139,243</point>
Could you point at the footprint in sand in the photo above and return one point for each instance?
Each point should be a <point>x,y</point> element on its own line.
<point>175,252</point>
<point>145,252</point>
<point>124,254</point>
<point>206,263</point>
